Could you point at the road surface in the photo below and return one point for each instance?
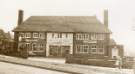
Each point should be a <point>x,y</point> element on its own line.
<point>8,68</point>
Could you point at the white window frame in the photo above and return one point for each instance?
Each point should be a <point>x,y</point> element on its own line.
<point>79,36</point>
<point>27,35</point>
<point>95,48</point>
<point>82,48</point>
<point>85,48</point>
<point>94,36</point>
<point>35,35</point>
<point>85,36</point>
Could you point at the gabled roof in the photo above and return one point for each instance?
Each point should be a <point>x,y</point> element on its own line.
<point>63,24</point>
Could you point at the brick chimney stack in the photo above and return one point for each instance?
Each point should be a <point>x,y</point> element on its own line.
<point>20,17</point>
<point>106,18</point>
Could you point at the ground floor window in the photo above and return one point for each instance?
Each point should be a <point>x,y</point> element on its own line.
<point>94,49</point>
<point>32,46</point>
<point>82,48</point>
<point>59,50</point>
<point>28,47</point>
<point>90,49</point>
<point>38,47</point>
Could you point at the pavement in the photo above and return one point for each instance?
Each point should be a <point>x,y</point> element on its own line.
<point>67,68</point>
<point>48,59</point>
<point>9,68</point>
<point>94,68</point>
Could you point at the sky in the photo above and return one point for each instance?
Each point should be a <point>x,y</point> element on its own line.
<point>121,15</point>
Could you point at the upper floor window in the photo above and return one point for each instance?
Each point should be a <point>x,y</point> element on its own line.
<point>79,36</point>
<point>82,36</point>
<point>41,35</point>
<point>52,35</point>
<point>35,35</point>
<point>93,36</point>
<point>86,36</point>
<point>22,35</point>
<point>59,35</point>
<point>27,35</point>
<point>66,35</point>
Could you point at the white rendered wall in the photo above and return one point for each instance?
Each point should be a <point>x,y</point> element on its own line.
<point>65,41</point>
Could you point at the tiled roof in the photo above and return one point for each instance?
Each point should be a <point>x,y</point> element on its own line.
<point>63,24</point>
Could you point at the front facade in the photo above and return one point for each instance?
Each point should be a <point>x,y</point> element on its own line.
<point>46,43</point>
<point>60,44</point>
<point>91,43</point>
<point>62,35</point>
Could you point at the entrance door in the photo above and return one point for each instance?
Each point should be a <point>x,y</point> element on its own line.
<point>54,50</point>
<point>65,50</point>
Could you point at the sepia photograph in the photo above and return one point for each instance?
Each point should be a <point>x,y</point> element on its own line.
<point>67,37</point>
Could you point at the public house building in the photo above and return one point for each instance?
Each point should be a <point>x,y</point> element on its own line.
<point>61,35</point>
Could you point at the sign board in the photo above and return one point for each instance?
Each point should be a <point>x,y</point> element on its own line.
<point>89,41</point>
